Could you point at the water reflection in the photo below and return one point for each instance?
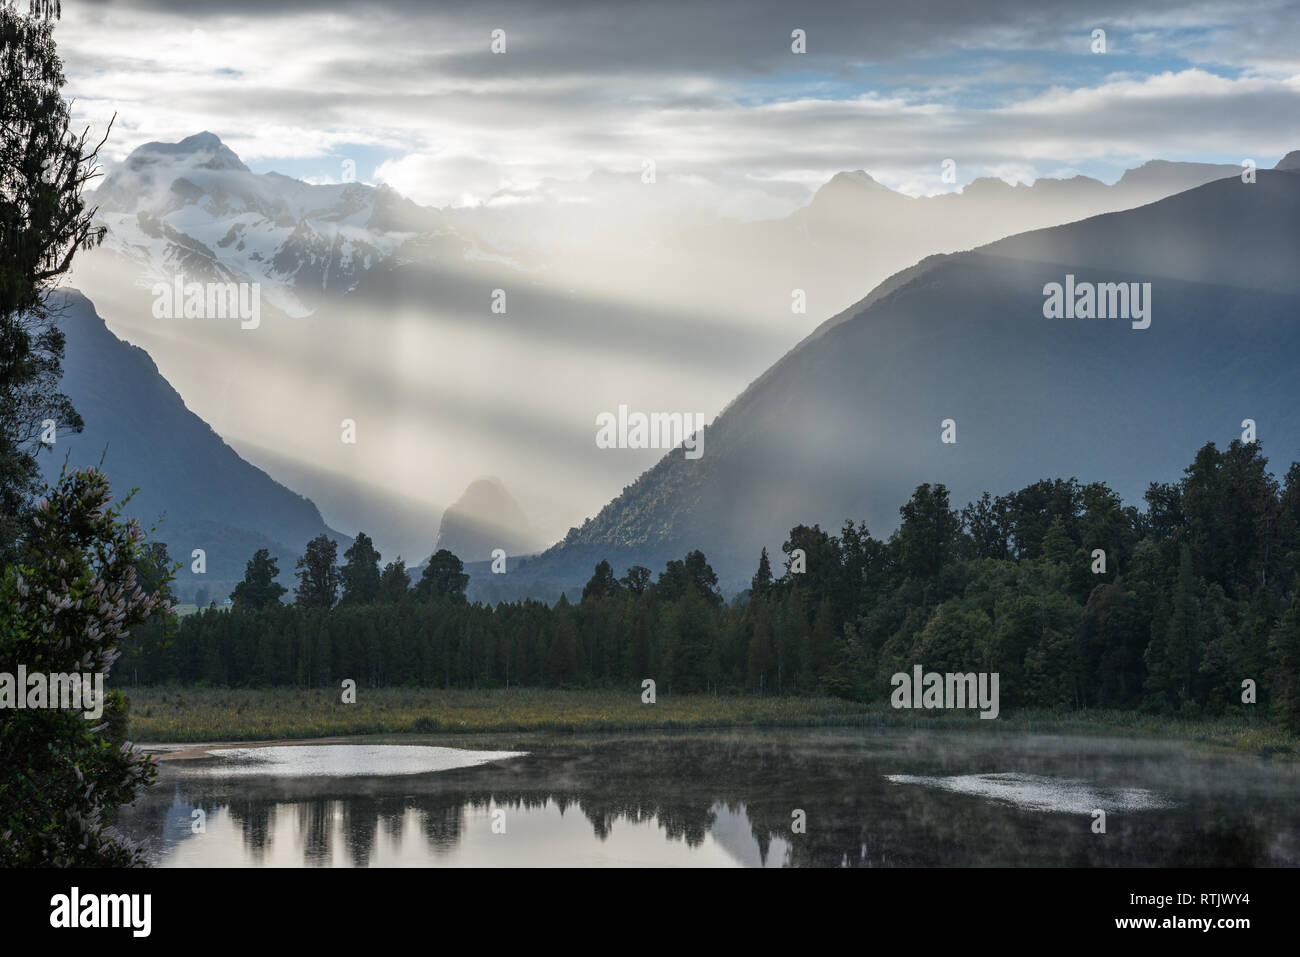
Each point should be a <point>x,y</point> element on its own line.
<point>333,761</point>
<point>1037,793</point>
<point>728,800</point>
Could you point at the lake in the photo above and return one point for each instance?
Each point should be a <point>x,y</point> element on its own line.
<point>757,798</point>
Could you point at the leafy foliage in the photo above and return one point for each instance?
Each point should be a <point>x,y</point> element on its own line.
<point>43,223</point>
<point>66,607</point>
<point>259,589</point>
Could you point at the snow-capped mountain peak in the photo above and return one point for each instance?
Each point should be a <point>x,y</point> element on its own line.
<point>194,208</point>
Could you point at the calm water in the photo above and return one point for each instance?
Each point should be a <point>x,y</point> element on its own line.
<point>869,798</point>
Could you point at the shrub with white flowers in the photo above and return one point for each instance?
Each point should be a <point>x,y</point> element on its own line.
<point>64,607</point>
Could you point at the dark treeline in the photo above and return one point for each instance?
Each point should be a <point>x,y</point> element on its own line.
<point>1076,600</point>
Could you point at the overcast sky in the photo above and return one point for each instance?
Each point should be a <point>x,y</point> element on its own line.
<point>710,91</point>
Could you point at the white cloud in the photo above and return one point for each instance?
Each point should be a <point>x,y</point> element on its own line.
<point>442,179</point>
<point>463,126</point>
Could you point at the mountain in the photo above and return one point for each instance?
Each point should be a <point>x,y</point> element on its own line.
<point>1289,162</point>
<point>192,484</point>
<point>854,234</point>
<point>194,208</point>
<point>848,423</point>
<point>484,519</point>
<point>399,525</point>
<point>382,312</point>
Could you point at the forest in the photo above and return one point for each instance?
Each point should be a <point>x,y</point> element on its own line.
<point>1187,606</point>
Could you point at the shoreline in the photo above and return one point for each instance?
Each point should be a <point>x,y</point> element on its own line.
<point>162,751</point>
<point>177,722</point>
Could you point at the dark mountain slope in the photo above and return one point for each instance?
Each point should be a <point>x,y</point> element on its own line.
<point>848,423</point>
<point>206,495</point>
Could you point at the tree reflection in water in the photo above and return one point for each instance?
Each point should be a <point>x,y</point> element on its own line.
<point>738,790</point>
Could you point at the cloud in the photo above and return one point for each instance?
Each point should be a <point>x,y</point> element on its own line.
<point>709,91</point>
<point>442,179</point>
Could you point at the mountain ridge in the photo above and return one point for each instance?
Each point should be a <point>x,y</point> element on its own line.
<point>674,505</point>
<point>201,492</point>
